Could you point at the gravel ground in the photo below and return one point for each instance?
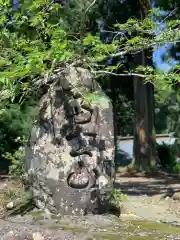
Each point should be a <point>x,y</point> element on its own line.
<point>41,227</point>
<point>15,231</point>
<point>87,228</point>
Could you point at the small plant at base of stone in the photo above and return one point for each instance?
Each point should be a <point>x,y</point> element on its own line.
<point>116,196</point>
<point>177,168</point>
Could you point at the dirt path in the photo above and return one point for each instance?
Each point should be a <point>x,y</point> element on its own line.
<point>151,198</point>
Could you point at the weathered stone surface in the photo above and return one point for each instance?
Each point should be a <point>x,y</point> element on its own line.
<point>70,154</point>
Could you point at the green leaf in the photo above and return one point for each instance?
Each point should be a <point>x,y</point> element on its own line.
<point>89,40</point>
<point>98,99</point>
<point>134,40</point>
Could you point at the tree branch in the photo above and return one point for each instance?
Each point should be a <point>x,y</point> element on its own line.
<point>123,53</point>
<point>83,20</point>
<point>121,74</point>
<point>88,8</point>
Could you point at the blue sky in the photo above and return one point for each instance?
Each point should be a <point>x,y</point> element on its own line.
<point>15,4</point>
<point>163,51</point>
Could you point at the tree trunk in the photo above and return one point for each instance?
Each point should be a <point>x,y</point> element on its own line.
<point>144,132</point>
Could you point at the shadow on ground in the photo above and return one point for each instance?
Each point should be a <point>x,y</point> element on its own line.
<point>165,185</point>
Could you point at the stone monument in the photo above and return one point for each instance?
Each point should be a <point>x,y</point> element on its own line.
<point>70,155</point>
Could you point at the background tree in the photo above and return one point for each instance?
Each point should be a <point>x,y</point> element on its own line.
<point>144,130</point>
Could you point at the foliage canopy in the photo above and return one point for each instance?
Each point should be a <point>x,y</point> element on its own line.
<point>35,38</point>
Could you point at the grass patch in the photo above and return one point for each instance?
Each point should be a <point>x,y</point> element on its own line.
<point>15,192</point>
<point>154,226</point>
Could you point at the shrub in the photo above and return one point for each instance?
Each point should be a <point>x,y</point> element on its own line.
<point>167,155</point>
<point>15,126</point>
<point>16,159</point>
